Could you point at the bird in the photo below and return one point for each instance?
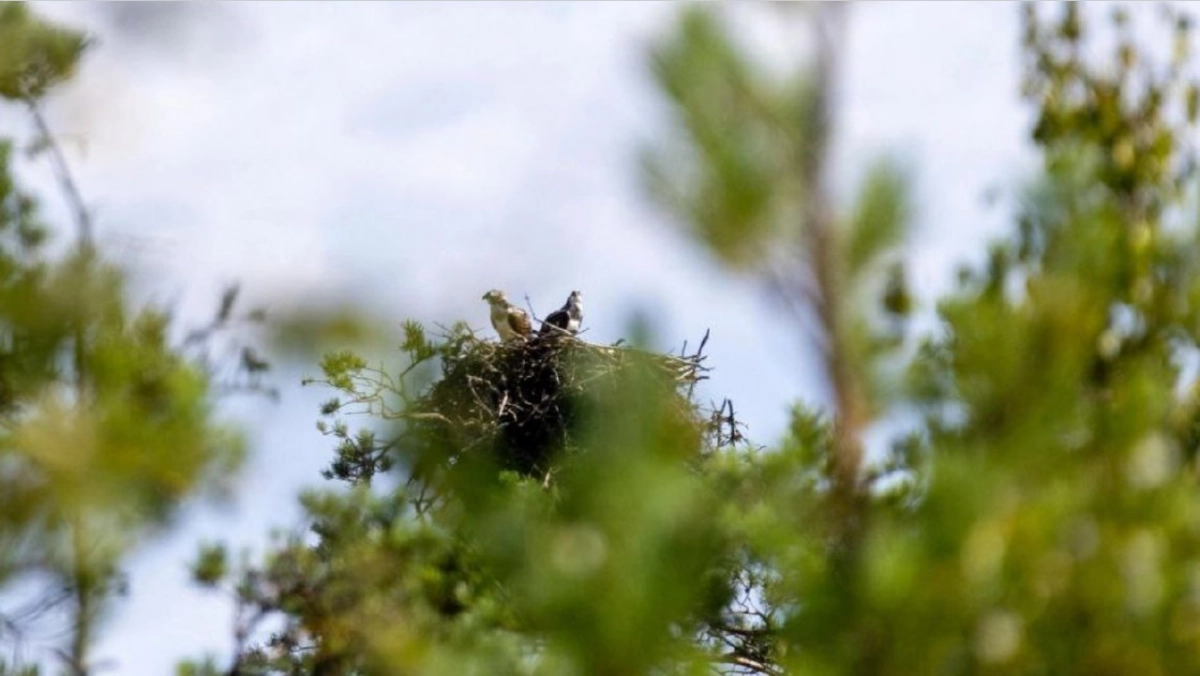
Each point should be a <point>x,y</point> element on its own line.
<point>510,321</point>
<point>565,319</point>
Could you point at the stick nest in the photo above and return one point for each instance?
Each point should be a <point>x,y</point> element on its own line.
<point>523,400</point>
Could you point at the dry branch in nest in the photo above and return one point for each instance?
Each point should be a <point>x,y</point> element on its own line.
<point>522,400</point>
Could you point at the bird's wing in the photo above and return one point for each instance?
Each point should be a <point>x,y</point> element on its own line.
<point>557,319</point>
<point>518,321</point>
<point>497,320</point>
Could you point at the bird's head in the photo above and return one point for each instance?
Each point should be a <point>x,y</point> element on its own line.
<point>494,296</point>
<point>576,296</point>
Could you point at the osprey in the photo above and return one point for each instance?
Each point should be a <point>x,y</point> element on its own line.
<point>565,319</point>
<point>510,321</point>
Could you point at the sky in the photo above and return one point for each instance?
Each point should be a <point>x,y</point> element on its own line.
<point>412,156</point>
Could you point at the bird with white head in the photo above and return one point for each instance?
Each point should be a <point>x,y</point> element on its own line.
<point>511,322</point>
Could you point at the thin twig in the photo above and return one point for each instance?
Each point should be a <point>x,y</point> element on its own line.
<point>62,171</point>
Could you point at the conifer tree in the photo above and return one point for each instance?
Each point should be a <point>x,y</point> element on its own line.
<point>106,422</point>
<point>552,506</point>
<point>1038,517</point>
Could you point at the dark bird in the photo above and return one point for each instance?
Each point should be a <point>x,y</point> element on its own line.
<point>510,321</point>
<point>565,319</point>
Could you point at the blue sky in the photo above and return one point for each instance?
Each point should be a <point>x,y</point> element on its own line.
<point>416,155</point>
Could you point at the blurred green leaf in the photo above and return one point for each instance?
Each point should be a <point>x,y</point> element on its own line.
<point>35,54</point>
<point>724,177</point>
<point>211,565</point>
<point>882,214</point>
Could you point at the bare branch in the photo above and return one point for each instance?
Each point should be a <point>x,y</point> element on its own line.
<point>62,172</point>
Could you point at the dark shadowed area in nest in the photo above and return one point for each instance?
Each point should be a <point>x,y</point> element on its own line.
<point>522,403</point>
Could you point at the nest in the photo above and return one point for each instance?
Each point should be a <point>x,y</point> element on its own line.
<point>521,402</point>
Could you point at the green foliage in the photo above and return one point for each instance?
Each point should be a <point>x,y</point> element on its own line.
<point>34,54</point>
<point>647,547</point>
<point>464,567</point>
<point>211,565</point>
<point>743,173</point>
<point>1038,513</point>
<point>207,667</point>
<point>1041,516</point>
<point>881,218</point>
<point>725,176</point>
<point>106,427</point>
<point>1059,515</point>
<point>1055,532</point>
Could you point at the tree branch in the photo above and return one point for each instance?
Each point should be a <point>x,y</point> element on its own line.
<point>62,172</point>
